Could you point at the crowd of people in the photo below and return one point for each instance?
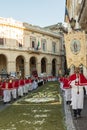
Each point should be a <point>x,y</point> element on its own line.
<point>73,87</point>
<point>13,88</point>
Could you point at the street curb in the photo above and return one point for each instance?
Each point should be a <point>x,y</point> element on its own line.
<point>68,116</point>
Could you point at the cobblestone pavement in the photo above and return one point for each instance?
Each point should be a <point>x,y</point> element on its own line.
<point>79,123</point>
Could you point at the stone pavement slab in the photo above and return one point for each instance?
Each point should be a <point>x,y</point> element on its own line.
<point>79,123</point>
<point>68,116</point>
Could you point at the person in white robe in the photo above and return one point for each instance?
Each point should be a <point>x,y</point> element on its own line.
<point>77,82</point>
<point>77,98</point>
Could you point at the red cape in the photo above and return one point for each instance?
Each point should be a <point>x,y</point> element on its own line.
<point>66,83</point>
<point>81,79</point>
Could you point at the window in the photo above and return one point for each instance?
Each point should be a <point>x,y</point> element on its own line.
<point>44,47</point>
<point>33,44</point>
<point>53,47</point>
<point>1,41</point>
<point>43,41</point>
<point>20,45</point>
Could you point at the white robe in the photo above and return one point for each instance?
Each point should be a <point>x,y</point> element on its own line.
<point>34,84</point>
<point>68,94</point>
<point>86,89</point>
<point>77,99</point>
<point>61,86</point>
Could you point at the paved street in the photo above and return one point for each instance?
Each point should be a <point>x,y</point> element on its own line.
<point>81,123</point>
<point>76,124</point>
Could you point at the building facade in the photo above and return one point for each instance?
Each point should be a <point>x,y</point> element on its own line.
<point>76,37</point>
<point>25,49</point>
<point>82,15</point>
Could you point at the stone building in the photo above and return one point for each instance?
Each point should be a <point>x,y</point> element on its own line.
<point>25,49</point>
<point>82,15</point>
<point>76,18</point>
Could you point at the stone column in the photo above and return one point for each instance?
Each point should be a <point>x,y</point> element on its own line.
<point>27,69</point>
<point>57,69</point>
<point>49,69</point>
<point>39,68</point>
<point>11,66</point>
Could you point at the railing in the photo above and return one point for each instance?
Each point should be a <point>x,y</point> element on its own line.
<point>34,50</point>
<point>31,50</point>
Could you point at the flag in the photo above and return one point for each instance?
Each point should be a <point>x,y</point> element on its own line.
<point>38,45</point>
<point>67,18</point>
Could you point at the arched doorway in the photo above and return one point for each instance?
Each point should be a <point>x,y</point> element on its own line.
<point>33,69</point>
<point>43,65</point>
<point>20,66</point>
<point>54,67</point>
<point>3,65</point>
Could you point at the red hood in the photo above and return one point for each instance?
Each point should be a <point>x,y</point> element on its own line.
<point>81,79</point>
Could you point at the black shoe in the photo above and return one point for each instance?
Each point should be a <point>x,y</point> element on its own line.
<point>14,99</point>
<point>67,102</point>
<point>75,117</point>
<point>79,116</point>
<point>4,102</point>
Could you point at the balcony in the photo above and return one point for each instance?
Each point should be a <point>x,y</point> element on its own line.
<point>34,50</point>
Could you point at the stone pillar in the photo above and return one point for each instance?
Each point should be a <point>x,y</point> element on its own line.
<point>39,68</point>
<point>11,66</point>
<point>27,69</point>
<point>49,69</point>
<point>57,70</point>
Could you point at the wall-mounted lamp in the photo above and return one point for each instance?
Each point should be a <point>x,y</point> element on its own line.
<point>72,23</point>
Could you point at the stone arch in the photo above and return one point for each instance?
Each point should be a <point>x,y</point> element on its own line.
<point>54,67</point>
<point>3,65</point>
<point>43,65</point>
<point>33,66</point>
<point>20,66</point>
